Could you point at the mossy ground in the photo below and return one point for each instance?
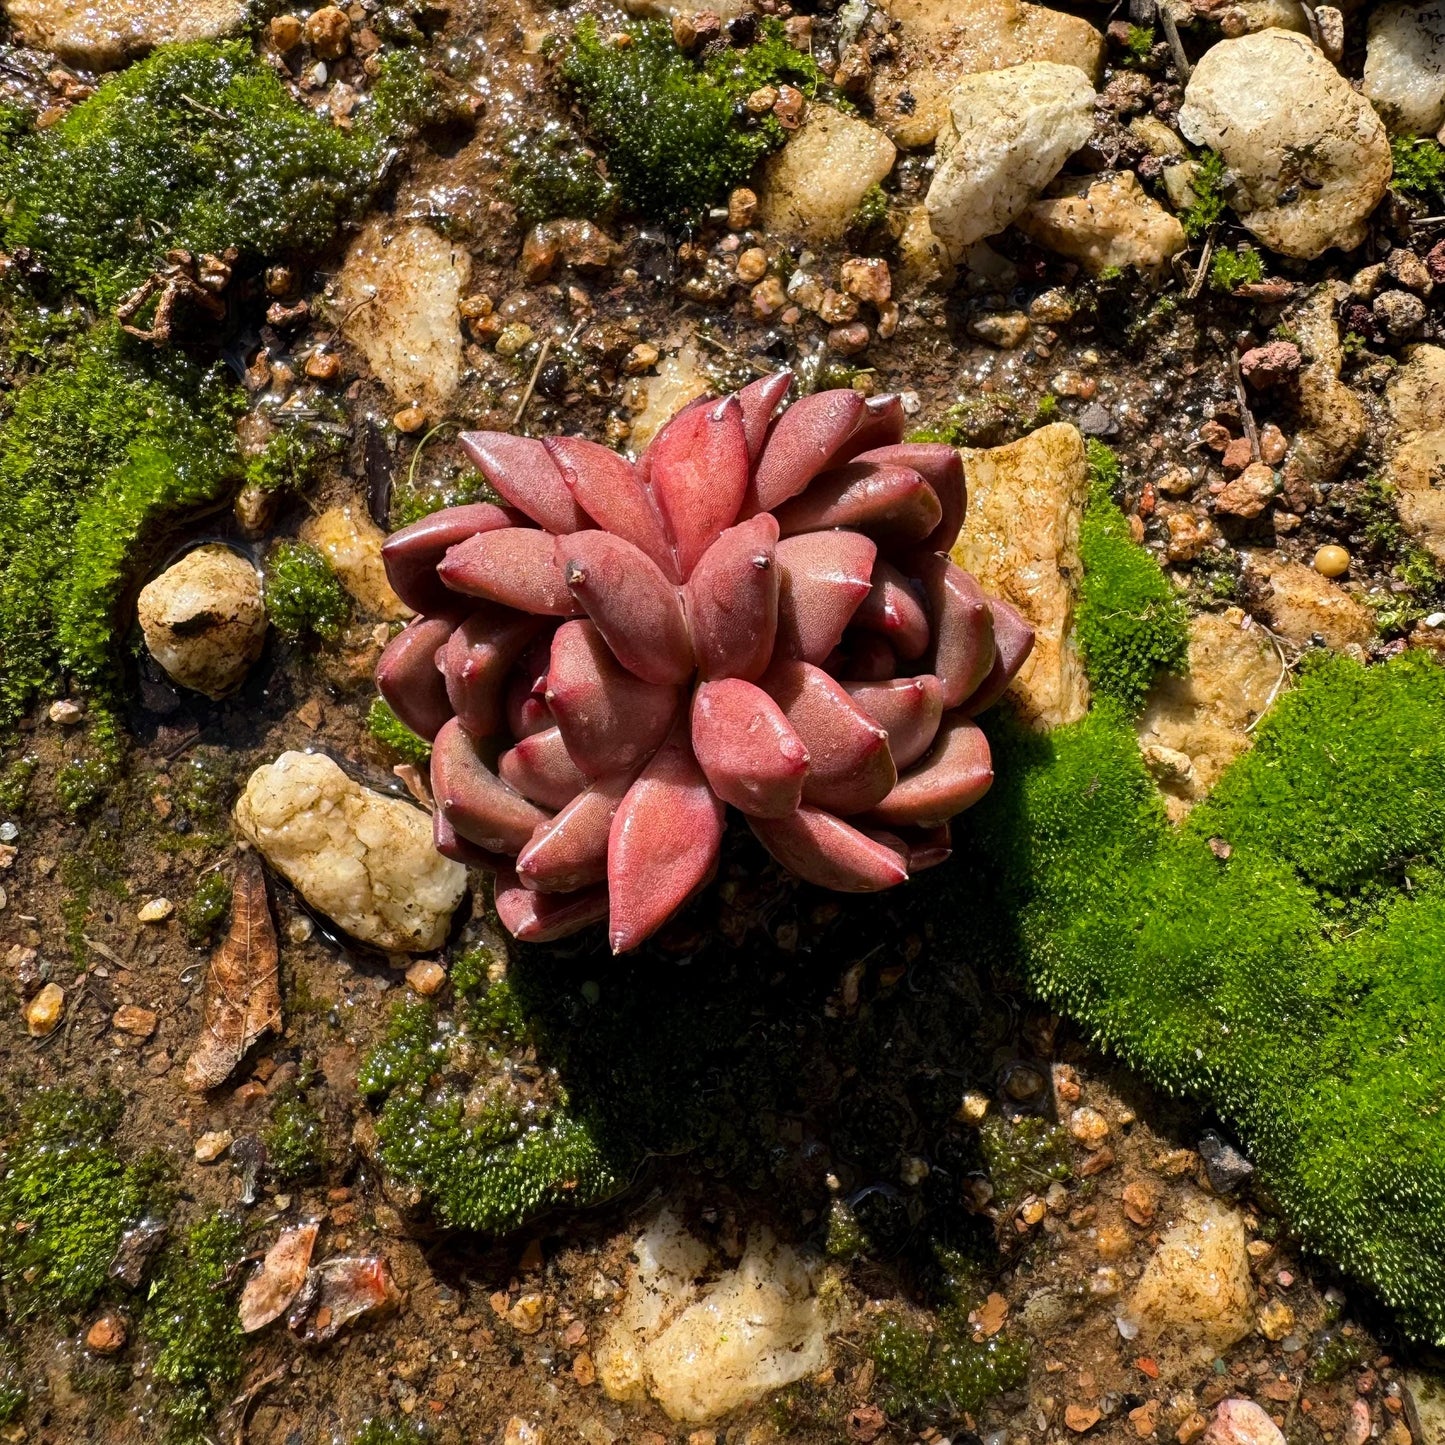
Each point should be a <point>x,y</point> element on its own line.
<point>304,596</point>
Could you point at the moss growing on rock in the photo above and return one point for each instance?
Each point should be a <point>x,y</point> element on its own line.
<point>304,596</point>
<point>388,729</point>
<point>1131,622</point>
<point>65,1199</point>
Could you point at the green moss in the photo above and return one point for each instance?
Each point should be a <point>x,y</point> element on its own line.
<point>868,225</point>
<point>202,912</point>
<point>15,778</point>
<point>290,461</point>
<point>387,728</point>
<point>1231,269</point>
<point>553,174</point>
<point>1296,985</point>
<point>96,457</point>
<point>846,1238</point>
<point>304,596</point>
<point>1139,45</point>
<point>12,1400</point>
<point>65,1199</point>
<point>1419,166</point>
<point>1208,207</point>
<point>199,146</point>
<point>295,1138</point>
<point>93,865</point>
<point>1023,1156</point>
<point>413,500</point>
<point>668,124</point>
<point>1131,622</point>
<point>473,967</point>
<point>192,1326</point>
<point>391,1431</point>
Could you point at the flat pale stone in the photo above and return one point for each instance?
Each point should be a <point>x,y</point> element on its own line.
<point>105,34</point>
<point>204,619</point>
<point>1288,123</point>
<point>1333,421</point>
<point>351,542</point>
<point>1405,65</point>
<point>364,860</point>
<point>703,1350</point>
<point>1008,135</point>
<point>1105,223</point>
<point>411,281</point>
<point>944,40</point>
<point>1416,465</point>
<point>811,188</point>
<point>1195,1297</point>
<point>1303,604</point>
<point>679,379</point>
<point>1020,539</point>
<point>1234,675</point>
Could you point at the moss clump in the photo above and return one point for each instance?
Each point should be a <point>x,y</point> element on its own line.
<point>553,175</point>
<point>199,146</point>
<point>191,1321</point>
<point>413,500</point>
<point>65,1199</point>
<point>15,779</point>
<point>1131,623</point>
<point>1208,207</point>
<point>1023,1156</point>
<point>668,124</point>
<point>96,457</point>
<point>391,1431</point>
<point>290,461</point>
<point>1232,269</point>
<point>304,596</point>
<point>1296,985</point>
<point>388,729</point>
<point>202,912</point>
<point>1139,45</point>
<point>295,1138</point>
<point>1419,166</point>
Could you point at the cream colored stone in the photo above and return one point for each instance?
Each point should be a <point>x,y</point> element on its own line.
<point>1195,1298</point>
<point>679,379</point>
<point>922,257</point>
<point>1008,135</point>
<point>204,619</point>
<point>1302,604</point>
<point>1405,65</point>
<point>703,1350</point>
<point>1234,674</point>
<point>666,9</point>
<point>1020,539</point>
<point>364,860</point>
<point>812,187</point>
<point>1416,465</point>
<point>44,1012</point>
<point>105,34</point>
<point>1273,15</point>
<point>1105,223</point>
<point>1289,124</point>
<point>944,40</point>
<point>1157,138</point>
<point>399,290</point>
<point>1333,421</point>
<point>351,542</point>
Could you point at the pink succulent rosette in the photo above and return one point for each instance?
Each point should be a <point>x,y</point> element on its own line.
<point>760,612</point>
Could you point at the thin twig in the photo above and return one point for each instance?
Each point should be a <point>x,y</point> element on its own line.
<point>244,1401</point>
<point>1206,256</point>
<point>1247,416</point>
<point>1176,45</point>
<point>1284,671</point>
<point>532,381</point>
<point>204,109</point>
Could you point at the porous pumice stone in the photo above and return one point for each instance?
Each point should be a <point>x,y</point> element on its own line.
<point>364,860</point>
<point>204,619</point>
<point>105,34</point>
<point>1405,65</point>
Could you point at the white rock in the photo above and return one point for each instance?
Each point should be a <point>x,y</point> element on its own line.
<point>1312,157</point>
<point>156,910</point>
<point>1405,65</point>
<point>1020,539</point>
<point>679,379</point>
<point>1416,464</point>
<point>1008,135</point>
<point>812,187</point>
<point>411,281</point>
<point>1242,1422</point>
<point>351,542</point>
<point>1195,1297</point>
<point>703,1350</point>
<point>204,619</point>
<point>1105,223</point>
<point>1333,421</point>
<point>105,34</point>
<point>944,40</point>
<point>364,860</point>
<point>212,1144</point>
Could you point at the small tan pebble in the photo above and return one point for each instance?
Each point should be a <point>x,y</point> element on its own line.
<point>1003,329</point>
<point>66,713</point>
<point>155,911</point>
<point>742,208</point>
<point>584,1371</point>
<point>513,338</point>
<point>1089,1127</point>
<point>768,297</point>
<point>1081,1418</point>
<point>1191,1428</point>
<point>1273,444</point>
<point>1141,1203</point>
<point>328,32</point>
<point>300,929</point>
<point>1032,1211</point>
<point>1176,482</point>
<point>248,1093</point>
<point>323,366</point>
<point>1145,1418</point>
<point>541,251</point>
<point>974,1107</point>
<point>527,1315</point>
<point>8,854</point>
<point>410,419</point>
<point>752,265</point>
<point>762,100</point>
<point>642,357</point>
<point>799,30</point>
<point>286,32</point>
<point>1398,1434</point>
<point>280,281</point>
<point>1052,308</point>
<point>1258,1249</point>
<point>1215,435</point>
<point>212,1144</point>
<point>475,306</point>
<point>130,1019</point>
<point>848,340</point>
<point>836,308</point>
<point>854,71</point>
<point>1067,1089</point>
<point>1276,1320</point>
<point>1096,1163</point>
<point>789,107</point>
<point>684,32</point>
<point>107,1334</point>
<point>282,316</point>
<point>702,1437</point>
<point>426,977</point>
<point>869,279</point>
<point>44,1011</point>
<point>1249,493</point>
<point>1189,535</point>
<point>1332,561</point>
<point>913,1170</point>
<point>519,1432</point>
<point>887,319</point>
<point>1238,454</point>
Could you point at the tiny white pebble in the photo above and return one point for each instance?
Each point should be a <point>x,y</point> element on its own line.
<point>156,911</point>
<point>4,900</point>
<point>8,832</point>
<point>66,713</point>
<point>300,929</point>
<point>1435,619</point>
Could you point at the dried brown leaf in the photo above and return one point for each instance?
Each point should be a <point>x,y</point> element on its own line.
<point>243,989</point>
<point>272,1288</point>
<point>339,1291</point>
